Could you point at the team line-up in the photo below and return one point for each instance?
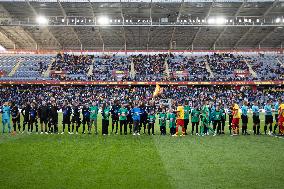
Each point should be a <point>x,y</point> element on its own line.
<point>138,116</point>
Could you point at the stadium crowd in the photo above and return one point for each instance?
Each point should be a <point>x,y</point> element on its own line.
<point>193,66</point>
<point>135,107</point>
<point>149,67</point>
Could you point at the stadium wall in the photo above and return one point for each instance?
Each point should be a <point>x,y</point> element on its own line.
<point>123,83</point>
<point>122,52</point>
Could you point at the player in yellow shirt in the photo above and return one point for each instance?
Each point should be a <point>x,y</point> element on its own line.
<point>180,119</point>
<point>281,117</point>
<point>236,119</point>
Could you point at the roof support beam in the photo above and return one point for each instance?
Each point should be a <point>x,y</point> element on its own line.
<point>150,28</point>
<point>199,30</point>
<point>178,17</point>
<point>266,37</point>
<point>264,14</point>
<point>243,37</point>
<point>36,14</point>
<point>225,28</point>
<point>123,20</point>
<point>94,18</point>
<point>65,15</point>
<point>3,33</point>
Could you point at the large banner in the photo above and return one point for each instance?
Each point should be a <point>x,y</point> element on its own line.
<point>183,73</point>
<point>54,73</point>
<point>119,73</point>
<point>153,83</point>
<point>2,73</point>
<point>241,73</point>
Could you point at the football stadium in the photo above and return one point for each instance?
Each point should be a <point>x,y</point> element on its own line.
<point>145,94</point>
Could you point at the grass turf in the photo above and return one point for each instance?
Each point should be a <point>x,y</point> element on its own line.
<point>89,161</point>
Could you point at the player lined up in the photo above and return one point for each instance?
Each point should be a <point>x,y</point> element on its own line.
<point>205,119</point>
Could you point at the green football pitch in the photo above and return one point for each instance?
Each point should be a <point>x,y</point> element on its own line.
<point>115,161</point>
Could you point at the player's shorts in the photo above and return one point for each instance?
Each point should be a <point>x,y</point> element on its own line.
<point>276,117</point>
<point>186,121</point>
<point>75,120</point>
<point>16,120</point>
<point>205,120</point>
<point>256,119</point>
<point>129,120</point>
<point>143,120</point>
<point>244,119</point>
<point>66,120</point>
<point>235,122</point>
<point>43,120</point>
<point>86,120</point>
<point>115,118</point>
<point>180,122</point>
<point>26,119</point>
<point>268,119</point>
<point>281,121</point>
<point>53,120</point>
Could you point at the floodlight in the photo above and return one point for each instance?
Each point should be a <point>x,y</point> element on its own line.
<point>220,20</point>
<point>211,21</point>
<point>277,20</point>
<point>103,20</point>
<point>41,20</point>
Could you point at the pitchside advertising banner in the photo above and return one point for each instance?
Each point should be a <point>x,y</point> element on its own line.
<point>122,83</point>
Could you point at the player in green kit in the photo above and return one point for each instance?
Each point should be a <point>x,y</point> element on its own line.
<point>162,121</point>
<point>195,113</point>
<point>122,113</point>
<point>172,122</point>
<point>187,110</point>
<point>217,120</point>
<point>105,118</point>
<point>94,109</point>
<point>151,122</point>
<point>205,119</point>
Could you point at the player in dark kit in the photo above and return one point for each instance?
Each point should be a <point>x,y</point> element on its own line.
<point>129,118</point>
<point>143,117</point>
<point>32,120</point>
<point>230,113</point>
<point>114,115</point>
<point>67,111</point>
<point>26,114</point>
<point>187,111</point>
<point>223,119</point>
<point>16,118</point>
<point>86,118</point>
<point>43,113</point>
<point>75,118</point>
<point>53,118</point>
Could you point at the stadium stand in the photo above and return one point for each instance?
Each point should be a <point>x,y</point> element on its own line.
<point>149,67</point>
<point>7,63</point>
<point>143,67</point>
<point>267,67</point>
<point>188,68</point>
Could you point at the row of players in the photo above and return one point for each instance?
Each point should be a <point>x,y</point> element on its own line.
<point>140,116</point>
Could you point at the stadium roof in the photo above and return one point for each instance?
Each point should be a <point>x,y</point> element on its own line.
<point>146,24</point>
